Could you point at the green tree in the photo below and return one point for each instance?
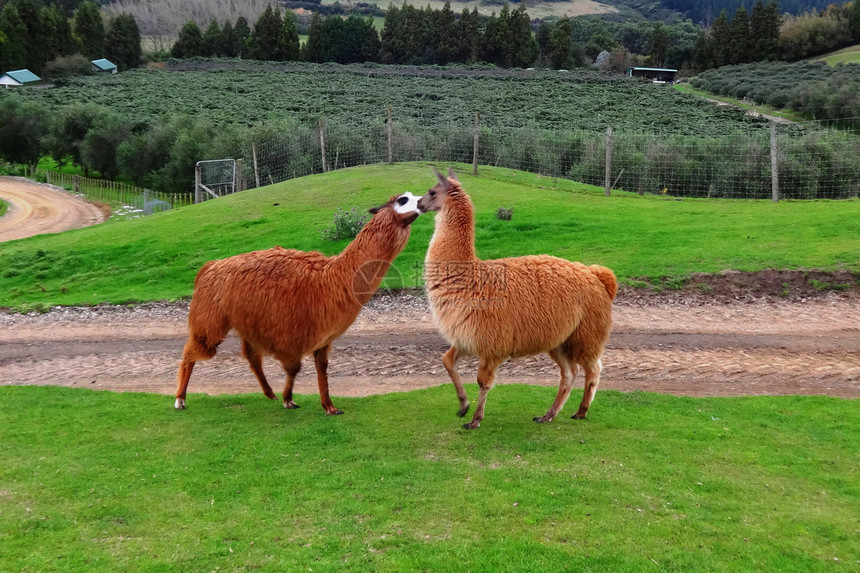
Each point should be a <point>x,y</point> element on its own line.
<point>520,46</point>
<point>68,129</point>
<point>559,50</point>
<point>764,31</point>
<point>241,34</point>
<point>267,41</point>
<point>14,55</point>
<point>468,36</point>
<point>445,35</point>
<point>89,30</point>
<point>122,43</point>
<point>22,130</point>
<point>290,49</point>
<point>37,41</point>
<point>213,40</point>
<point>98,148</point>
<point>189,43</point>
<point>659,47</point>
<point>57,32</point>
<point>391,36</point>
<point>738,48</point>
<point>718,39</point>
<point>854,19</point>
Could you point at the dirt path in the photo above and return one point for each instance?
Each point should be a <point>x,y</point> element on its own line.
<point>35,209</point>
<point>807,347</point>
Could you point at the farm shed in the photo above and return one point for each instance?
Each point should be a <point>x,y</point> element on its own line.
<point>104,65</point>
<point>660,75</point>
<point>19,78</point>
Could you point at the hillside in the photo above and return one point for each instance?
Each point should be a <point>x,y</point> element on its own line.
<point>156,257</point>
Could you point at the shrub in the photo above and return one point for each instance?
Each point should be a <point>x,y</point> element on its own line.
<point>505,213</point>
<point>66,67</point>
<point>346,224</point>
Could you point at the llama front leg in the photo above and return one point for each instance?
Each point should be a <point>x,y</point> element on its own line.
<point>255,360</point>
<point>194,350</point>
<point>568,374</point>
<point>449,360</point>
<point>592,380</point>
<point>292,370</point>
<point>321,363</point>
<point>486,379</point>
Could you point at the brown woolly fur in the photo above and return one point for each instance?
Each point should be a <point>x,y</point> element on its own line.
<point>509,308</point>
<point>289,304</point>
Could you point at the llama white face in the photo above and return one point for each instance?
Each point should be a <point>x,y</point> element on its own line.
<point>407,203</point>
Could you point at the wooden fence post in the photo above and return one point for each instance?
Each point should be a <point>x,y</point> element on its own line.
<point>390,138</point>
<point>322,145</point>
<point>256,168</point>
<point>774,163</point>
<point>475,144</point>
<point>608,172</point>
<point>197,180</point>
<point>76,182</point>
<point>239,183</point>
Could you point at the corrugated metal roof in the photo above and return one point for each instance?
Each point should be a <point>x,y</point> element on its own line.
<point>655,69</point>
<point>23,76</point>
<point>104,64</point>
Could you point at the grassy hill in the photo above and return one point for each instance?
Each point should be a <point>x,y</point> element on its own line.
<point>157,257</point>
<point>844,56</point>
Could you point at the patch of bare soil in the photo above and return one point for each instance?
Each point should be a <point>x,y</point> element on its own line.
<point>744,336</point>
<point>36,209</point>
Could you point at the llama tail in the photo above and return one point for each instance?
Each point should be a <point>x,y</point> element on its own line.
<point>607,277</point>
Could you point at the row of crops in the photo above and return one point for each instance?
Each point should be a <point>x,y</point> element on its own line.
<point>248,93</point>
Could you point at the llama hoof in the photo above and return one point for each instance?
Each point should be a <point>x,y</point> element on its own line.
<point>179,404</point>
<point>290,405</point>
<point>471,425</point>
<point>542,419</point>
<point>578,416</point>
<point>462,411</point>
<point>336,412</point>
<point>270,395</point>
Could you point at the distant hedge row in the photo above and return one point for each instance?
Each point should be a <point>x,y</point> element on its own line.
<point>811,87</point>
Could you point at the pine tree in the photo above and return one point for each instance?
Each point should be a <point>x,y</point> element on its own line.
<point>560,44</point>
<point>90,30</point>
<point>122,43</point>
<point>289,38</point>
<point>445,36</point>
<point>521,46</point>
<point>213,41</point>
<point>58,33</point>
<point>764,31</point>
<point>542,36</point>
<point>229,47</point>
<point>390,36</point>
<point>718,41</point>
<point>468,35</point>
<point>739,38</point>
<point>314,48</point>
<point>14,55</point>
<point>189,44</point>
<point>37,44</point>
<point>854,19</point>
<point>266,41</point>
<point>241,35</point>
<point>659,45</point>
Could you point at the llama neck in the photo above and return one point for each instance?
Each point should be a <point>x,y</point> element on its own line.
<point>454,235</point>
<point>367,259</point>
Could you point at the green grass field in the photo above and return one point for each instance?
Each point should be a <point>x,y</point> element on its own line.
<point>763,109</point>
<point>3,206</point>
<point>845,56</point>
<point>100,481</point>
<point>157,257</point>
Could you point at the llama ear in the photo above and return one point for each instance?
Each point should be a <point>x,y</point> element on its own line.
<point>452,176</point>
<point>374,210</point>
<point>442,178</point>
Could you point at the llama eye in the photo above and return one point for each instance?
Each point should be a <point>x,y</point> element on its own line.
<point>403,201</point>
<point>432,193</point>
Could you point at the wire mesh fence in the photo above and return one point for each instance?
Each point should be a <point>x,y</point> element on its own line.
<point>785,161</point>
<point>137,200</point>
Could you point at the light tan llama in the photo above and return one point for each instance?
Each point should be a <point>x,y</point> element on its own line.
<point>510,308</point>
<point>289,304</point>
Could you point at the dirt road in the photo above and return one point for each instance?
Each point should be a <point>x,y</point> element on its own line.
<point>36,209</point>
<point>809,346</point>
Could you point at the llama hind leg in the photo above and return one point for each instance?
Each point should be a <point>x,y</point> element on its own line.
<point>292,370</point>
<point>255,360</point>
<point>196,349</point>
<point>486,380</point>
<point>321,363</point>
<point>449,360</point>
<point>592,380</point>
<point>568,374</point>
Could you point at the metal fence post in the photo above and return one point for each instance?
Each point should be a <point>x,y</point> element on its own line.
<point>774,162</point>
<point>608,173</point>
